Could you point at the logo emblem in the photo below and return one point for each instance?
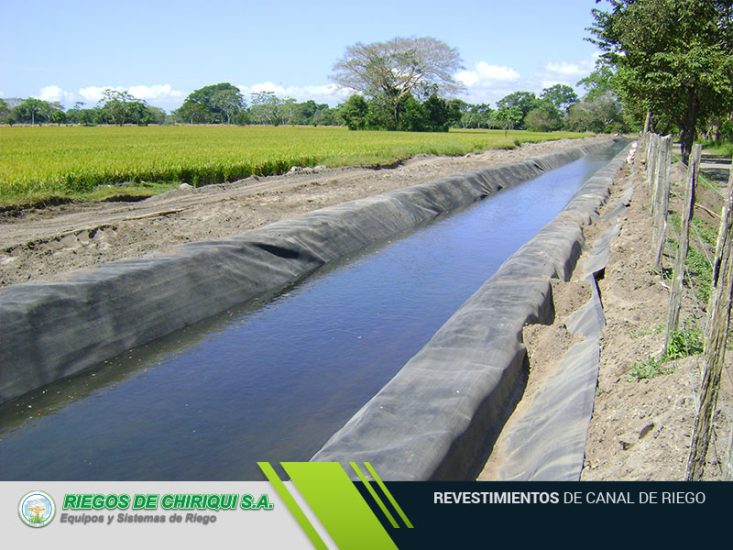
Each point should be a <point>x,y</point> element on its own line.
<point>36,509</point>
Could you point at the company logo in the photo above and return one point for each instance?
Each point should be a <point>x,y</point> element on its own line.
<point>36,509</point>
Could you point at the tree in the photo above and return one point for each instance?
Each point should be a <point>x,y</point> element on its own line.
<point>397,69</point>
<point>598,82</point>
<point>114,106</point>
<point>58,116</point>
<point>265,108</point>
<point>506,118</point>
<point>440,114</point>
<point>325,116</point>
<point>543,120</point>
<point>475,116</point>
<point>193,113</point>
<point>602,113</point>
<point>307,111</point>
<point>675,57</point>
<point>87,117</point>
<point>227,101</point>
<point>35,111</point>
<point>414,116</point>
<point>355,112</point>
<point>289,112</point>
<point>523,101</point>
<point>212,104</point>
<point>120,107</point>
<point>560,96</point>
<point>32,111</point>
<point>4,111</point>
<point>153,115</point>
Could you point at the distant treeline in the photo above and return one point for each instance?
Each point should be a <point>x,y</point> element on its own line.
<point>556,108</point>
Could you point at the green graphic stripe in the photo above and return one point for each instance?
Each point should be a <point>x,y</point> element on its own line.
<point>389,496</point>
<point>292,506</point>
<point>374,494</point>
<point>339,506</point>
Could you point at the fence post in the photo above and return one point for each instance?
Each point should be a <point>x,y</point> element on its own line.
<point>675,294</point>
<point>715,341</point>
<point>653,179</point>
<point>651,162</point>
<point>647,122</point>
<point>662,200</point>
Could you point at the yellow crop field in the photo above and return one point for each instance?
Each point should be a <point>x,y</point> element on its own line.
<point>48,162</point>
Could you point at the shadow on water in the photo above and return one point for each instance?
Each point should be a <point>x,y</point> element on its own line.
<point>273,380</point>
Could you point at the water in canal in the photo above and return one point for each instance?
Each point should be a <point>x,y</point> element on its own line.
<point>274,380</point>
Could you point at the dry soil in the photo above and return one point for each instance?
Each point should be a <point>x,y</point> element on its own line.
<point>45,244</point>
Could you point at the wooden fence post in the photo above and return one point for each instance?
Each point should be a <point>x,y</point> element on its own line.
<point>653,178</point>
<point>651,162</point>
<point>675,293</point>
<point>715,340</point>
<point>647,122</point>
<point>662,200</point>
<point>659,168</point>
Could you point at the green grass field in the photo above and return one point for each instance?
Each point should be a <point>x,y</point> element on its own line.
<point>46,164</point>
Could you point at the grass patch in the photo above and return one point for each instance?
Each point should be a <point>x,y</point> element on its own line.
<point>705,231</point>
<point>684,343</point>
<point>52,162</point>
<point>698,269</point>
<point>707,182</point>
<point>719,149</point>
<point>700,274</point>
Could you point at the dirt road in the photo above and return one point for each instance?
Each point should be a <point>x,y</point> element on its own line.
<point>47,244</point>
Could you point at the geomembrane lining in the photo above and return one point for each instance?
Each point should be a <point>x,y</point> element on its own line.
<point>55,329</point>
<point>439,417</point>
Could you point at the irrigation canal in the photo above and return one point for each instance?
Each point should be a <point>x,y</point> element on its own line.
<point>275,379</point>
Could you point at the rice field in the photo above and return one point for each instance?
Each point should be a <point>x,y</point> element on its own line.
<point>51,163</point>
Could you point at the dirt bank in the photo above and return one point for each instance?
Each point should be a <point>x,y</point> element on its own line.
<point>45,244</point>
<point>641,429</point>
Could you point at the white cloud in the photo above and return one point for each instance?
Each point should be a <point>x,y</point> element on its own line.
<point>92,94</point>
<point>321,93</point>
<point>563,68</point>
<point>156,93</point>
<point>486,83</point>
<point>485,74</point>
<point>565,72</point>
<point>55,93</point>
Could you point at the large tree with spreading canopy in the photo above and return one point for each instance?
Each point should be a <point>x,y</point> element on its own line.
<point>393,71</point>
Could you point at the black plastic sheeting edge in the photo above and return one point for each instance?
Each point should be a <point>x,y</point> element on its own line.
<point>439,417</point>
<point>52,330</point>
<point>547,441</point>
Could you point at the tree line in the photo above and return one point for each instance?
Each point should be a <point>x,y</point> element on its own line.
<point>556,108</point>
<point>216,104</point>
<point>115,107</point>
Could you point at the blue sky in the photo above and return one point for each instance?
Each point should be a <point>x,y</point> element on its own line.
<point>160,51</point>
